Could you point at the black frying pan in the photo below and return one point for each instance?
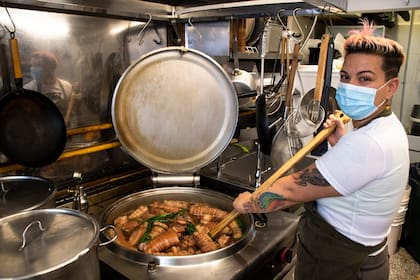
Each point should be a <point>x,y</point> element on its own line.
<point>32,129</point>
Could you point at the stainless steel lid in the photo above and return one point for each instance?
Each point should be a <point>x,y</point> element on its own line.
<point>37,242</point>
<point>19,193</point>
<point>175,110</point>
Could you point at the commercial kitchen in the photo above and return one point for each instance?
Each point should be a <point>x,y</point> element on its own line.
<point>182,101</point>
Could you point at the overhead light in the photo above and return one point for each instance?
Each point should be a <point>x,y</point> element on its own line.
<point>35,23</point>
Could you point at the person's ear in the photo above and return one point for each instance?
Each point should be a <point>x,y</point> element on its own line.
<point>392,87</point>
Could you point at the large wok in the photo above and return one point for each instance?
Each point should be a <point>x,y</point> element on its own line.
<point>32,129</point>
<point>213,198</point>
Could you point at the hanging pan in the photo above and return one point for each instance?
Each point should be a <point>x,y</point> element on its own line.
<point>32,129</point>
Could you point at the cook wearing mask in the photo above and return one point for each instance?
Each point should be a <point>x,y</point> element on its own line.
<point>352,192</point>
<point>45,81</point>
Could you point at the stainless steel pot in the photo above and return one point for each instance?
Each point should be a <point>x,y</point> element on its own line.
<point>20,193</point>
<point>49,244</point>
<point>215,199</point>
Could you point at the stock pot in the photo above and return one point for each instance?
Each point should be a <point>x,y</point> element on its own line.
<point>175,110</point>
<point>20,193</point>
<point>49,244</point>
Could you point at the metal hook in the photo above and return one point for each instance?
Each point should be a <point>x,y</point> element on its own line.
<point>175,28</point>
<point>159,41</point>
<point>194,28</point>
<point>296,21</point>
<point>280,20</point>
<point>142,31</point>
<point>12,33</point>
<point>3,188</point>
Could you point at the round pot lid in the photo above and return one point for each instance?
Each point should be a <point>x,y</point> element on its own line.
<point>175,110</point>
<point>37,242</point>
<point>20,193</point>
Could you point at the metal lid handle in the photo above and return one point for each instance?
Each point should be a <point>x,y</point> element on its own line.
<point>41,228</point>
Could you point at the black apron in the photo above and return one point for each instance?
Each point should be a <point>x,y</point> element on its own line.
<point>324,253</point>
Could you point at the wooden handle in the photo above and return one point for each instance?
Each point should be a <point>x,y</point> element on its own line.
<point>318,139</point>
<point>85,129</point>
<point>291,79</point>
<point>322,61</point>
<point>14,52</point>
<point>68,154</point>
<point>89,150</point>
<point>283,49</point>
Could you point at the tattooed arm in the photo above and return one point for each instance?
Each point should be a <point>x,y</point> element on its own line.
<point>305,185</point>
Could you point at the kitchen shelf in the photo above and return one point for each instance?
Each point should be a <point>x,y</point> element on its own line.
<point>176,10</point>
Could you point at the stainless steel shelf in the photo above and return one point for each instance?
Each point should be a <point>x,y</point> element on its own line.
<point>165,11</point>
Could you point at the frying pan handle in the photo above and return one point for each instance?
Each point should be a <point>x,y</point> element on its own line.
<point>17,70</point>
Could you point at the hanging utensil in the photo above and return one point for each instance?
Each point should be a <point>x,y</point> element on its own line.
<point>314,106</point>
<point>277,106</point>
<point>32,128</point>
<point>262,125</point>
<point>328,100</point>
<point>264,49</point>
<point>286,141</point>
<point>319,138</point>
<point>243,81</point>
<point>308,118</point>
<point>291,80</point>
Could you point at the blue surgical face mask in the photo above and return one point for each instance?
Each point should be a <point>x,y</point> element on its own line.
<point>36,73</point>
<point>357,102</point>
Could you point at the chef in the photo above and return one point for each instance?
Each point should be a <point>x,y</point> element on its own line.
<point>352,192</point>
<point>43,72</point>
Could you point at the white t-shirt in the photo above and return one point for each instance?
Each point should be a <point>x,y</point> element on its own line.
<point>369,167</point>
<point>61,88</point>
<point>59,92</point>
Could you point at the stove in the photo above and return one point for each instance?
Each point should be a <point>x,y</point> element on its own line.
<point>266,255</point>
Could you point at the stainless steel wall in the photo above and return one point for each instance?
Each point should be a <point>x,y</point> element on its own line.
<point>92,53</point>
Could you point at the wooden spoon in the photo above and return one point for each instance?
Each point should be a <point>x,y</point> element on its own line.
<point>318,139</point>
<point>314,106</point>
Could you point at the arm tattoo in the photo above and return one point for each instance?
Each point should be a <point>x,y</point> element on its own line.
<point>266,201</point>
<point>310,176</point>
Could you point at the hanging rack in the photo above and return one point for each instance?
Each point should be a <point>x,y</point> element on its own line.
<point>11,32</point>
